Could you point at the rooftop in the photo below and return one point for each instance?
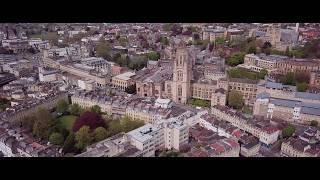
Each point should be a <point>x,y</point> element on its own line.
<point>125,76</point>
<point>142,134</point>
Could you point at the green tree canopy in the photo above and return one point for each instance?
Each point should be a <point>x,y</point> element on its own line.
<point>28,122</point>
<point>103,49</point>
<point>52,37</point>
<point>314,123</point>
<point>114,127</point>
<point>302,87</point>
<point>123,41</point>
<point>288,79</point>
<point>43,122</point>
<point>219,40</point>
<point>69,144</point>
<point>62,106</point>
<point>56,139</point>
<point>74,109</point>
<point>124,124</point>
<point>100,134</point>
<point>235,59</point>
<point>252,48</point>
<point>153,55</point>
<point>235,99</point>
<point>83,137</point>
<point>262,74</point>
<point>288,131</point>
<point>300,79</point>
<point>164,40</point>
<point>129,124</point>
<point>131,89</point>
<point>96,109</point>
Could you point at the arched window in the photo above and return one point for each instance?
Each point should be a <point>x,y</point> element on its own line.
<point>180,76</point>
<point>179,90</point>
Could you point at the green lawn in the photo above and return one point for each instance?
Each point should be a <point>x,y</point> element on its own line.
<point>68,121</point>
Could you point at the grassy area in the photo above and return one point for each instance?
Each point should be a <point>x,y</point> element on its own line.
<point>242,73</point>
<point>36,36</point>
<point>199,102</point>
<point>68,121</point>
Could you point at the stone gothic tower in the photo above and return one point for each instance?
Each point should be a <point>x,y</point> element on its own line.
<point>274,32</point>
<point>182,75</point>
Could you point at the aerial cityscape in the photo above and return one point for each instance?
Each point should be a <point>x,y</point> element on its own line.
<point>159,90</point>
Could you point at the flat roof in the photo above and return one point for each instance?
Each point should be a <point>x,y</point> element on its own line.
<point>142,134</point>
<point>125,76</point>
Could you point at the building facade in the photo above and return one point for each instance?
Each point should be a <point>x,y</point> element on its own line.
<point>266,133</point>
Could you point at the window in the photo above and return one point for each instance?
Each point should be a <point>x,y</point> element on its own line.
<point>179,90</point>
<point>180,76</point>
<point>180,60</point>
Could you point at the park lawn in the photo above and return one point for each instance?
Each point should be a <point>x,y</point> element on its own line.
<point>68,121</point>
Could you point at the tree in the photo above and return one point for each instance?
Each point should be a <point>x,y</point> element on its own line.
<point>123,61</point>
<point>100,134</point>
<point>170,154</point>
<point>247,110</point>
<point>43,122</point>
<point>90,119</point>
<point>311,49</point>
<point>314,123</point>
<point>129,124</point>
<point>28,122</point>
<point>153,55</point>
<point>123,42</point>
<point>252,50</point>
<point>251,47</point>
<point>287,52</point>
<point>124,124</point>
<point>164,40</point>
<point>83,137</point>
<point>267,48</point>
<point>302,77</point>
<point>62,106</point>
<point>219,40</point>
<point>56,139</point>
<point>103,49</point>
<point>289,79</point>
<point>267,51</point>
<point>74,109</point>
<point>52,37</point>
<point>114,127</point>
<point>302,87</point>
<point>288,131</point>
<point>235,99</point>
<point>266,45</point>
<point>196,37</point>
<point>96,109</point>
<point>262,74</point>
<point>131,89</point>
<point>235,59</point>
<point>69,144</point>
